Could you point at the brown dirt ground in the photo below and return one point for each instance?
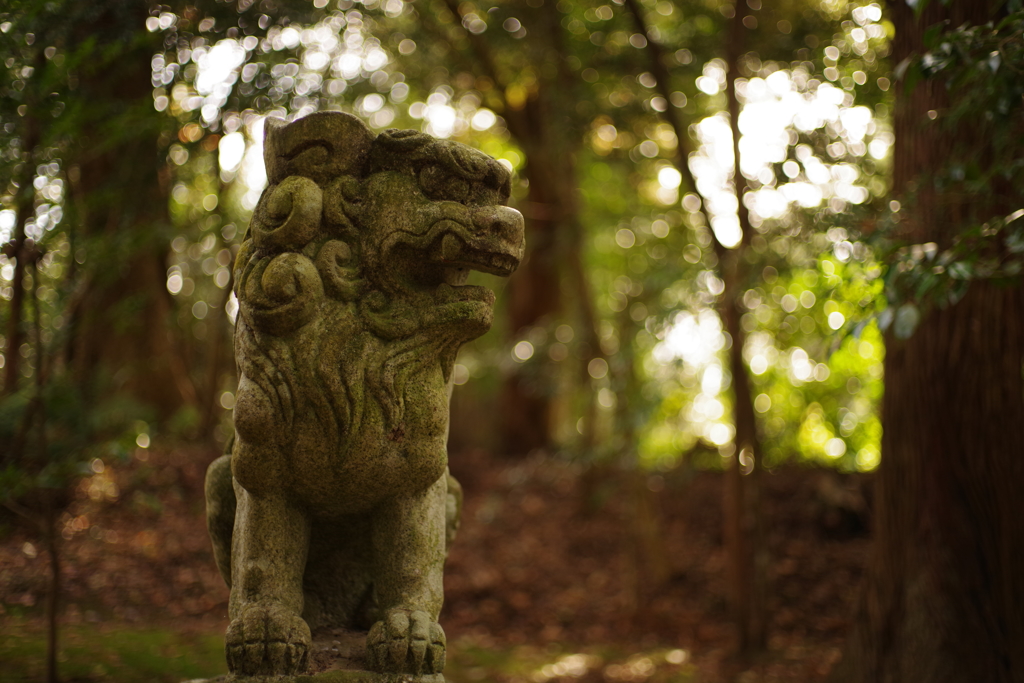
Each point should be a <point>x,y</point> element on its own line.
<point>544,558</point>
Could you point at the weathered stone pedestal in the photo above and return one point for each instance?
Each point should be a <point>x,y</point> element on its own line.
<point>336,656</point>
<point>336,676</point>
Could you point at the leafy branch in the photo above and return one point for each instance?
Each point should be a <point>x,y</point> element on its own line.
<point>980,67</point>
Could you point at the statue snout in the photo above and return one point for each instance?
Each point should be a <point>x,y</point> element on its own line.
<point>502,223</point>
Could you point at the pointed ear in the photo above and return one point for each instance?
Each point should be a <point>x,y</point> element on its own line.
<point>321,147</point>
<point>271,127</point>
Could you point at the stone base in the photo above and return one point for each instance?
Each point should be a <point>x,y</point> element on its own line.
<point>336,676</point>
<point>340,676</point>
<point>337,656</point>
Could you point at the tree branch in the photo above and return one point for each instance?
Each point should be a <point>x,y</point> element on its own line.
<point>736,43</point>
<point>684,145</point>
<point>480,48</point>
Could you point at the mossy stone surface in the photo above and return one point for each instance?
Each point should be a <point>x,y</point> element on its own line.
<point>334,508</point>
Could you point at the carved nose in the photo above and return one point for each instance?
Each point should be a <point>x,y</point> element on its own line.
<point>502,222</point>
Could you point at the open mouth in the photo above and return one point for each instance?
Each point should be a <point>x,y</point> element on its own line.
<point>456,259</point>
<point>492,258</point>
<point>445,270</point>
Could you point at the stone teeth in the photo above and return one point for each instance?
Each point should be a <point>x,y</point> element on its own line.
<point>454,276</point>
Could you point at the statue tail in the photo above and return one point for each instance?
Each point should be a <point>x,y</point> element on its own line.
<point>220,512</point>
<point>453,510</point>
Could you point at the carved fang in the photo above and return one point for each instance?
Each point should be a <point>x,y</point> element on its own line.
<point>451,247</point>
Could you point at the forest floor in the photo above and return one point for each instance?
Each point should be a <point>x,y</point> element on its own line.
<point>543,583</point>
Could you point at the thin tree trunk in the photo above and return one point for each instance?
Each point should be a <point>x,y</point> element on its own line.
<point>217,343</point>
<point>53,595</point>
<point>943,600</point>
<point>16,249</point>
<point>646,527</point>
<point>746,555</point>
<point>49,519</point>
<point>534,298</point>
<point>750,557</point>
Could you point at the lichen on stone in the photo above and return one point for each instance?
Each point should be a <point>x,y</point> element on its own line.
<point>334,507</point>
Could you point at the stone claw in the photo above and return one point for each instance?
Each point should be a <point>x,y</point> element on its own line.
<point>267,641</point>
<point>408,642</point>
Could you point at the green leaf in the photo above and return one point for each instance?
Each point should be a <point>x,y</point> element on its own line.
<point>927,281</point>
<point>906,321</point>
<point>914,73</point>
<point>932,34</point>
<point>901,69</point>
<point>885,319</point>
<point>918,6</point>
<point>960,270</point>
<point>1015,242</point>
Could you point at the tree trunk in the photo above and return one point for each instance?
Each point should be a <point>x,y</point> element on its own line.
<point>943,600</point>
<point>534,298</point>
<point>646,528</point>
<point>218,347</point>
<point>53,595</point>
<point>543,126</point>
<point>122,321</point>
<point>746,554</point>
<point>746,551</point>
<point>25,202</point>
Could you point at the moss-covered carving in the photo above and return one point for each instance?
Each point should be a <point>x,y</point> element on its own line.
<point>334,507</point>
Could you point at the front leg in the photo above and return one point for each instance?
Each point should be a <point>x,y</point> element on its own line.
<point>267,635</point>
<point>409,553</point>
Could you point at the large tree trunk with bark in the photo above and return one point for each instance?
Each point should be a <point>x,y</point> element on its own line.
<point>943,601</point>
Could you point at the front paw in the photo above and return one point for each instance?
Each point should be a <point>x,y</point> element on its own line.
<point>408,642</point>
<point>267,641</point>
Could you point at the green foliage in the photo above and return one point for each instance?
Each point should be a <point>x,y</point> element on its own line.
<point>581,70</point>
<point>980,67</point>
<point>980,70</point>
<point>54,436</point>
<point>586,66</point>
<point>60,420</point>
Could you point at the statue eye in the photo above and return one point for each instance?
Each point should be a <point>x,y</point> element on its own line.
<point>440,186</point>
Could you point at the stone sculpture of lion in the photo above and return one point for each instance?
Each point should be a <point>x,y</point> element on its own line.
<point>334,507</point>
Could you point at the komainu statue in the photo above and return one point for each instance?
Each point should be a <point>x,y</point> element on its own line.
<point>334,507</point>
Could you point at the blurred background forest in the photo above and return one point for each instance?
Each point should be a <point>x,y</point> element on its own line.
<point>672,438</point>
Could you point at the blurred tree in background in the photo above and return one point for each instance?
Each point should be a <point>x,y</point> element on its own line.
<point>943,601</point>
<point>706,187</point>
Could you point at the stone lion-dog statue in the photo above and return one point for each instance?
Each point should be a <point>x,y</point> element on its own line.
<point>334,507</point>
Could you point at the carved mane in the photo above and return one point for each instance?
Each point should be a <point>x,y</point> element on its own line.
<point>300,275</point>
